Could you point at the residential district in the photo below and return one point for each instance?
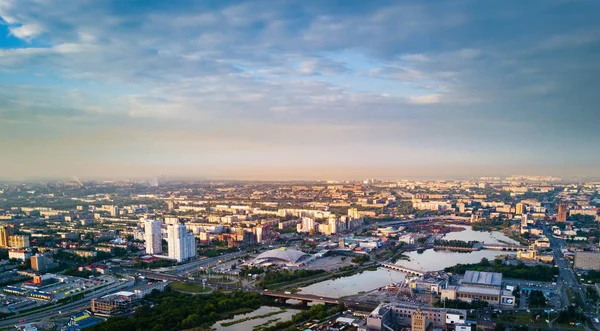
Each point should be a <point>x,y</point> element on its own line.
<point>491,253</point>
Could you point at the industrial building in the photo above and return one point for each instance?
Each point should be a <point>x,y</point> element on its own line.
<point>393,316</point>
<point>482,286</point>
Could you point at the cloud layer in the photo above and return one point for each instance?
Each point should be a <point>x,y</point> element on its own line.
<point>107,88</point>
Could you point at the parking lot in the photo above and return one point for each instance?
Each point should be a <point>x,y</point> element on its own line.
<point>25,296</point>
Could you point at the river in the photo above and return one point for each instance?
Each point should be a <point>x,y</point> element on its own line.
<point>429,260</point>
<point>362,282</point>
<point>248,325</point>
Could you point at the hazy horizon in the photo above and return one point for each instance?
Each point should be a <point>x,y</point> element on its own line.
<point>299,90</point>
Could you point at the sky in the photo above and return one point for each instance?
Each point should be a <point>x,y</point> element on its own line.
<point>303,89</point>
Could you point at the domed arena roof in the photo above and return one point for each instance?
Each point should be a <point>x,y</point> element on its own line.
<point>282,254</point>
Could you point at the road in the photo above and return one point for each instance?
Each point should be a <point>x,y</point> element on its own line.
<point>64,309</point>
<point>568,278</point>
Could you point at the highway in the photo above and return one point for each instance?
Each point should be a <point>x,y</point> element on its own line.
<point>65,309</point>
<point>568,277</point>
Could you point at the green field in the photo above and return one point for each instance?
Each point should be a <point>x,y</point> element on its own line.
<point>191,288</point>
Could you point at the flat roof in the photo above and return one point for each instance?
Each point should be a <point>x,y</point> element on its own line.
<point>482,278</point>
<point>478,290</point>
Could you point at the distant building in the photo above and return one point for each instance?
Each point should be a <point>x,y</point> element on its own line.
<point>587,260</point>
<point>520,209</point>
<point>561,215</point>
<point>3,237</point>
<point>18,241</point>
<point>19,254</point>
<point>153,236</point>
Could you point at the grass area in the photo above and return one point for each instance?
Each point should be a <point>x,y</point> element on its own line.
<point>299,280</point>
<point>253,318</point>
<point>191,288</point>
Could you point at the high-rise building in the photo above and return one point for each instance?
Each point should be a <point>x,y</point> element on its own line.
<point>182,245</point>
<point>18,241</point>
<point>190,245</point>
<point>170,205</point>
<point>171,220</point>
<point>524,219</point>
<point>353,212</point>
<point>561,215</point>
<point>520,209</point>
<point>153,236</point>
<point>3,237</point>
<point>259,234</point>
<point>114,211</point>
<point>333,225</point>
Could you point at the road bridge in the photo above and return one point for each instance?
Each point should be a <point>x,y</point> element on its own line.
<point>282,296</point>
<point>504,247</point>
<point>405,270</point>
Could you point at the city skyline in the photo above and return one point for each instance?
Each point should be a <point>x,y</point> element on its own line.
<point>298,90</point>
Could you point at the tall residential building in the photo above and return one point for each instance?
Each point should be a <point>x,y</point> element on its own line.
<point>18,241</point>
<point>153,236</point>
<point>3,237</point>
<point>333,225</point>
<point>520,208</point>
<point>190,245</point>
<point>353,212</point>
<point>259,234</point>
<point>561,215</point>
<point>170,205</point>
<point>182,244</point>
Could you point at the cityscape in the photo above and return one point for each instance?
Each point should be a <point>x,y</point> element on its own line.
<point>297,165</point>
<point>518,252</point>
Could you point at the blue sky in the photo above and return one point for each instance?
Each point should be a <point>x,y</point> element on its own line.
<point>299,89</point>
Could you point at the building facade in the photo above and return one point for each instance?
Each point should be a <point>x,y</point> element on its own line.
<point>153,236</point>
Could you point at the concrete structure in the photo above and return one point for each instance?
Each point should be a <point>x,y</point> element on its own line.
<point>587,260</point>
<point>282,255</point>
<point>153,236</point>
<point>561,214</point>
<point>19,254</point>
<point>3,237</point>
<point>18,241</point>
<point>182,244</point>
<point>481,286</point>
<point>420,322</point>
<point>41,263</point>
<point>391,316</point>
<point>119,303</point>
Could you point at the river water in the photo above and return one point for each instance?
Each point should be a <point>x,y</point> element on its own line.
<point>365,281</point>
<point>429,260</point>
<point>248,325</point>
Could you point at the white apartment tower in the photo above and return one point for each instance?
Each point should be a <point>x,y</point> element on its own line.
<point>153,236</point>
<point>182,244</point>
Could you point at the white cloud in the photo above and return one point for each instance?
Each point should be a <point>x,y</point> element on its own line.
<point>425,99</point>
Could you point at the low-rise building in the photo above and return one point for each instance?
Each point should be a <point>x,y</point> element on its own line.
<point>120,303</point>
<point>587,260</point>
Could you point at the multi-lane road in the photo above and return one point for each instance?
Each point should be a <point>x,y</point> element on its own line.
<point>65,309</point>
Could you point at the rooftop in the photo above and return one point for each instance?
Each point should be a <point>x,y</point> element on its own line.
<point>482,278</point>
